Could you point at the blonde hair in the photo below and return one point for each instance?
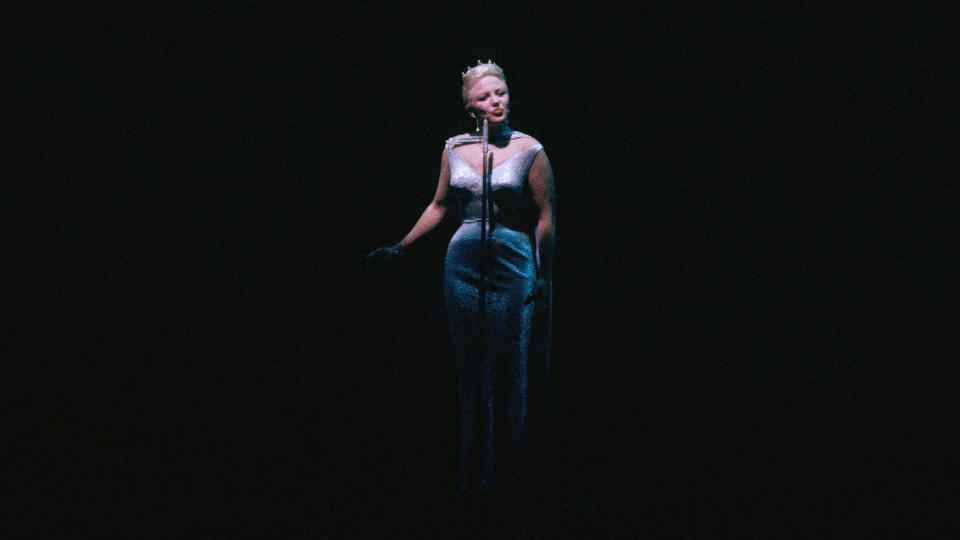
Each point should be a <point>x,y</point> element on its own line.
<point>477,72</point>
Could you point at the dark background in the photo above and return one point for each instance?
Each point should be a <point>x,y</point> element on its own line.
<point>753,323</point>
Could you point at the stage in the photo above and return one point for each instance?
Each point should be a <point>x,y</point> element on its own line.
<point>753,328</point>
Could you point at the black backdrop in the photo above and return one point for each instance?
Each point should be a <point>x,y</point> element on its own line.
<point>749,278</point>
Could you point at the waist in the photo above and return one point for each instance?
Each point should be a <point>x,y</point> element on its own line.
<point>471,229</point>
<point>497,221</point>
<point>492,224</point>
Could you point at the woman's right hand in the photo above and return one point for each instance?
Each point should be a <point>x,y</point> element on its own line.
<point>382,254</point>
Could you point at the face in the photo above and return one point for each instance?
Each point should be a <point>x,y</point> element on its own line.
<point>489,99</point>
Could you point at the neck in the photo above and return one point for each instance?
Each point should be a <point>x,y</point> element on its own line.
<point>498,131</point>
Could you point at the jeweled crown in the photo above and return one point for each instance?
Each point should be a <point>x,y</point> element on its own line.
<point>463,75</point>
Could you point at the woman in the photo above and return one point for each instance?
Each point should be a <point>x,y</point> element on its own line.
<point>497,281</point>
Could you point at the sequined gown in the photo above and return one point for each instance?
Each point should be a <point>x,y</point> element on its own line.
<point>495,360</point>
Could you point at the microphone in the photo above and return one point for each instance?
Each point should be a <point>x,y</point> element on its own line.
<point>483,136</point>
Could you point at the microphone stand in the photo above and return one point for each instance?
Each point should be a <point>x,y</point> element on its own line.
<point>485,370</point>
<point>484,219</point>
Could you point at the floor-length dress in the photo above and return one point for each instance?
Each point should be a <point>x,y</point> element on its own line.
<point>493,357</point>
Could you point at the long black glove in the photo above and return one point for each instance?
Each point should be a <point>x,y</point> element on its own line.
<point>382,254</point>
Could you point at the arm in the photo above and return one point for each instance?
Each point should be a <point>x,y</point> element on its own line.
<point>542,188</point>
<point>435,211</point>
<point>429,219</point>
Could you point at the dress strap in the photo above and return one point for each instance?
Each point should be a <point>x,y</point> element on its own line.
<point>461,140</point>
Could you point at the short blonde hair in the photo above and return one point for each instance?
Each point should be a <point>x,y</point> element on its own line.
<point>477,72</point>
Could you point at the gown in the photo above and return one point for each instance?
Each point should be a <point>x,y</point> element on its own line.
<point>497,360</point>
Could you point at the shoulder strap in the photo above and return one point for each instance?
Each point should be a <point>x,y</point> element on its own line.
<point>462,139</point>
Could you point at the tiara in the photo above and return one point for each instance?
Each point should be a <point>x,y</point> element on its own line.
<point>463,75</point>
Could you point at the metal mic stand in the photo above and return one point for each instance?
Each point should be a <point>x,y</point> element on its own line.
<point>485,372</point>
<point>484,219</point>
<point>482,296</point>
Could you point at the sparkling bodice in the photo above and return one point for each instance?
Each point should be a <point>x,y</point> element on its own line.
<point>507,183</point>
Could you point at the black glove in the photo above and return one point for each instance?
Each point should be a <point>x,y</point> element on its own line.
<point>539,291</point>
<point>382,254</point>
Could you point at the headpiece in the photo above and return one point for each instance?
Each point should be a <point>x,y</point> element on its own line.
<point>463,75</point>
